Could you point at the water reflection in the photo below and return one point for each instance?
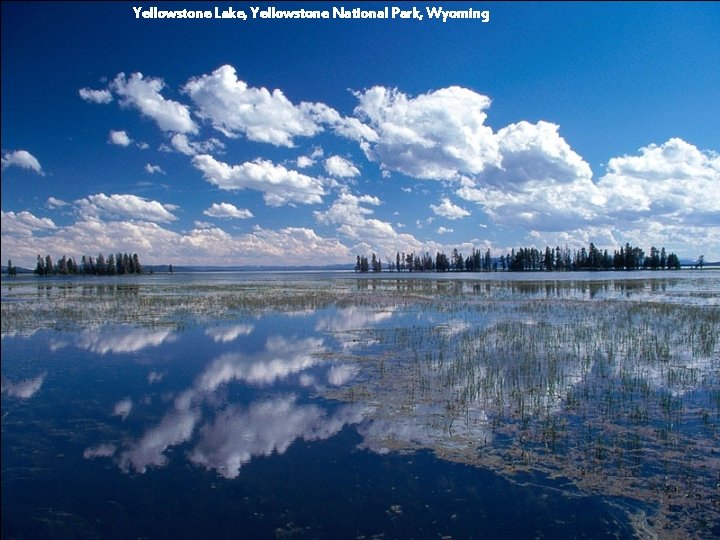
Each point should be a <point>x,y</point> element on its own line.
<point>24,389</point>
<point>230,434</point>
<point>348,324</point>
<point>239,434</point>
<point>280,358</point>
<point>104,340</point>
<point>122,408</point>
<point>176,427</point>
<point>230,333</point>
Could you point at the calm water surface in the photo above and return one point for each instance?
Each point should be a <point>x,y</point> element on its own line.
<point>342,406</point>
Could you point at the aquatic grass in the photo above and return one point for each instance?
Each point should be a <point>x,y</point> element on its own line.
<point>602,392</point>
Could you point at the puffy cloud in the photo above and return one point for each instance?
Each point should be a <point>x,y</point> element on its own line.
<point>544,206</point>
<point>103,96</point>
<point>303,162</point>
<point>158,245</point>
<point>341,167</point>
<point>144,95</point>
<point>227,210</point>
<point>233,108</point>
<point>444,230</point>
<point>52,202</point>
<point>449,210</point>
<point>147,239</point>
<point>666,195</point>
<point>675,181</point>
<point>540,181</point>
<point>348,213</point>
<point>182,144</point>
<point>535,153</point>
<point>24,223</point>
<point>351,217</point>
<point>291,245</point>
<point>125,206</point>
<point>434,136</point>
<point>279,185</point>
<point>121,138</point>
<point>152,169</point>
<point>674,159</point>
<point>22,159</point>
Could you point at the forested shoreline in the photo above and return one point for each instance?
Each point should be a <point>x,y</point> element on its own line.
<point>527,260</point>
<point>113,265</point>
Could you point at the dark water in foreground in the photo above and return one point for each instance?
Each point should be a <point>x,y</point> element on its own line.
<point>336,406</point>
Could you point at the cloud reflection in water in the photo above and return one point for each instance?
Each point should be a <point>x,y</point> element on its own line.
<point>231,333</point>
<point>237,435</point>
<point>232,435</point>
<point>122,339</point>
<point>24,389</point>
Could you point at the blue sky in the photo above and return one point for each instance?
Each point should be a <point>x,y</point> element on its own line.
<point>272,141</point>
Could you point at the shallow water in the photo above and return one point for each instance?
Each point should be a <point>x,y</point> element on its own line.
<point>341,406</point>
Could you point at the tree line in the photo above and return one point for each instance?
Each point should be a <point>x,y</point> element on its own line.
<point>113,265</point>
<point>526,260</point>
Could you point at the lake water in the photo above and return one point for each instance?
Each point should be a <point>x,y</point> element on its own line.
<point>336,405</point>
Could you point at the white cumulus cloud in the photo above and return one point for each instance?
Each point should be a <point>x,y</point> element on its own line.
<point>125,206</point>
<point>153,169</point>
<point>437,135</point>
<point>449,210</point>
<point>103,96</point>
<point>22,159</point>
<point>144,95</point>
<point>184,145</point>
<point>121,138</point>
<point>24,223</point>
<point>53,202</point>
<point>233,108</point>
<point>279,185</point>
<point>675,181</point>
<point>340,167</point>
<point>227,210</point>
<point>303,162</point>
<point>352,218</point>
